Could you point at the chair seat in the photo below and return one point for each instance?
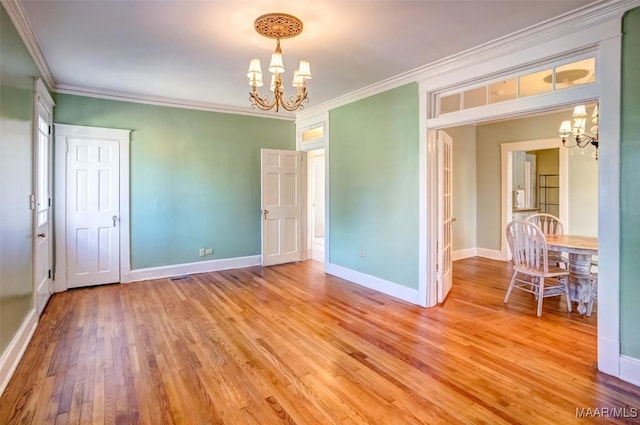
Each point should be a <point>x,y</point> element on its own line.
<point>553,271</point>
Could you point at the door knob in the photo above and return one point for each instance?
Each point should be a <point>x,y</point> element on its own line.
<point>265,212</point>
<point>41,235</point>
<point>114,218</point>
<point>454,219</point>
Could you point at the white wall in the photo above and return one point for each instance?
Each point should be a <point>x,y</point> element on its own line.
<point>464,186</point>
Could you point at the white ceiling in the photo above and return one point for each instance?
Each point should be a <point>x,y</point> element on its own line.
<point>199,51</point>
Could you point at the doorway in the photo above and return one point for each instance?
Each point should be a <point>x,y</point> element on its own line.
<point>42,222</point>
<point>92,206</point>
<point>316,204</point>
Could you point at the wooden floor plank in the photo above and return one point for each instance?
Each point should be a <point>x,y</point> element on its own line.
<point>291,345</point>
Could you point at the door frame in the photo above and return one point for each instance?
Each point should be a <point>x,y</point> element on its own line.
<point>61,133</point>
<point>43,99</point>
<point>305,121</point>
<point>605,42</point>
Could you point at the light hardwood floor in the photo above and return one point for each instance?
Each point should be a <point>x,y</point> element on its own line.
<point>289,344</point>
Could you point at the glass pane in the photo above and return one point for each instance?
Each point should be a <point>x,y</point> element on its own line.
<point>576,73</point>
<point>313,134</point>
<point>42,180</point>
<point>535,83</point>
<point>475,97</point>
<point>450,103</point>
<point>503,90</point>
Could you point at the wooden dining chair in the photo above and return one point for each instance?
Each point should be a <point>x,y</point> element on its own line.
<point>551,225</point>
<point>532,272</point>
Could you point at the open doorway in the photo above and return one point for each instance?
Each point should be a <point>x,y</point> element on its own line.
<point>500,176</point>
<point>316,204</point>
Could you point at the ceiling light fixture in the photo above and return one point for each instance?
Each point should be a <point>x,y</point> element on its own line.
<point>582,139</point>
<point>278,26</point>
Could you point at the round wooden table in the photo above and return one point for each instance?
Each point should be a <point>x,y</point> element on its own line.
<point>581,250</point>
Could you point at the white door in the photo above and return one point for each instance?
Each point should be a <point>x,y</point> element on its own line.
<point>445,214</point>
<point>42,245</point>
<point>281,206</point>
<point>93,212</point>
<point>316,179</point>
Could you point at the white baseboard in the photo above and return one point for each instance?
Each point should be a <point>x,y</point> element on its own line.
<point>192,268</point>
<point>609,356</point>
<point>492,254</point>
<point>386,287</point>
<point>464,253</point>
<point>13,354</point>
<point>630,370</point>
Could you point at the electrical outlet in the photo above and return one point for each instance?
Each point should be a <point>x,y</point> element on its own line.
<point>363,253</point>
<point>208,251</point>
<point>202,252</point>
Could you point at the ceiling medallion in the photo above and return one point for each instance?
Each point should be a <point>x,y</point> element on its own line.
<point>278,26</point>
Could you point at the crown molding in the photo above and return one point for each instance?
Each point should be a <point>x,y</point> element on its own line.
<point>23,27</point>
<point>551,29</point>
<point>170,102</point>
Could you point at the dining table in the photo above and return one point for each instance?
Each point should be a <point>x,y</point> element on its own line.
<point>581,250</point>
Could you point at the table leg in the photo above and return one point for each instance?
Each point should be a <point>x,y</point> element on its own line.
<point>580,280</point>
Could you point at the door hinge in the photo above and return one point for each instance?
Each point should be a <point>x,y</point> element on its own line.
<point>32,202</point>
<point>49,201</point>
<point>66,147</point>
<point>50,274</point>
<point>49,130</point>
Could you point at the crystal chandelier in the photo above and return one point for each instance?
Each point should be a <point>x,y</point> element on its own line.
<point>580,138</point>
<point>278,26</point>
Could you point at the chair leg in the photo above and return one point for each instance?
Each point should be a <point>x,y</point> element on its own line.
<point>540,295</point>
<point>594,286</point>
<point>566,292</point>
<point>513,279</point>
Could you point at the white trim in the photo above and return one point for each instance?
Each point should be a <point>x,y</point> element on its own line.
<point>424,299</point>
<point>170,102</point>
<point>630,369</point>
<point>192,268</point>
<point>492,254</point>
<point>461,254</point>
<point>20,21</point>
<point>506,152</point>
<point>384,286</point>
<point>609,70</point>
<point>14,352</point>
<point>62,132</point>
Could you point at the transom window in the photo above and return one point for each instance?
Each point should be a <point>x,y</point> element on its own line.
<point>517,86</point>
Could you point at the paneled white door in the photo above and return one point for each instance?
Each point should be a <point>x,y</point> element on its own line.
<point>43,242</point>
<point>281,206</point>
<point>445,214</point>
<point>93,212</point>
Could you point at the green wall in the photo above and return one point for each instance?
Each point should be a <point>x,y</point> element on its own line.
<point>630,186</point>
<point>17,70</point>
<point>195,176</point>
<point>373,185</point>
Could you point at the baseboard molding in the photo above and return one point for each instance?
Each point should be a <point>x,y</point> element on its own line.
<point>461,254</point>
<point>630,370</point>
<point>608,355</point>
<point>13,354</point>
<point>192,268</point>
<point>386,287</point>
<point>492,254</point>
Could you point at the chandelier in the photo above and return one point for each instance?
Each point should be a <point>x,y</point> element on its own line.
<point>278,26</point>
<point>580,138</point>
